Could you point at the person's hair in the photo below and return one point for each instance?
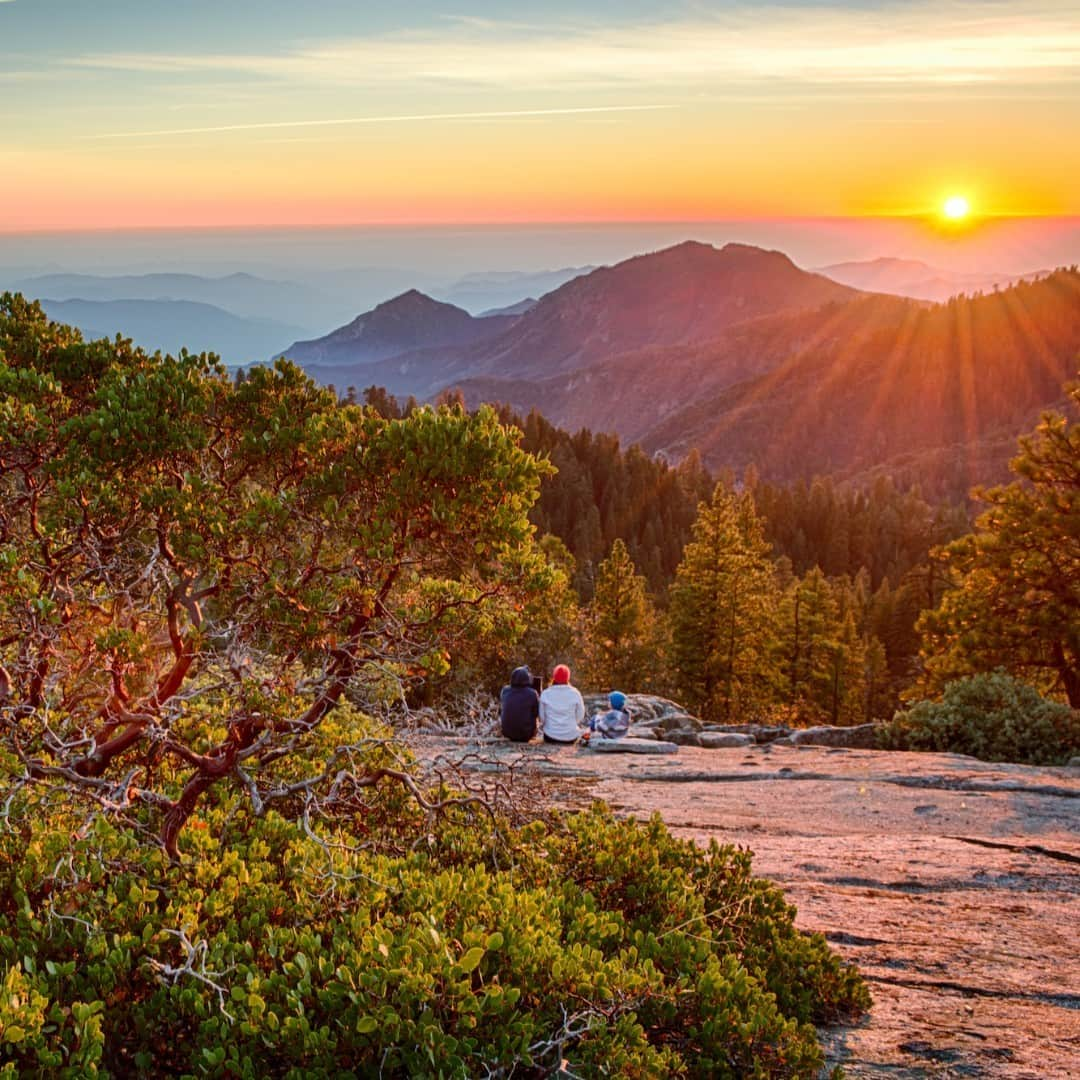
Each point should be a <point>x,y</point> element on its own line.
<point>561,674</point>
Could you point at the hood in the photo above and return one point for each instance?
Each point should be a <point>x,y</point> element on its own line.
<point>521,677</point>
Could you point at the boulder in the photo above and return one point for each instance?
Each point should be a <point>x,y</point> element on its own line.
<point>859,737</point>
<point>684,738</point>
<point>762,733</point>
<point>723,740</point>
<point>630,745</point>
<point>642,731</point>
<point>644,708</point>
<point>681,722</point>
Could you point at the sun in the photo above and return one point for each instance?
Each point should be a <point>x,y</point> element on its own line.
<point>956,208</point>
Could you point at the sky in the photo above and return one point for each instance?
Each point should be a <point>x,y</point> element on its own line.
<point>153,113</point>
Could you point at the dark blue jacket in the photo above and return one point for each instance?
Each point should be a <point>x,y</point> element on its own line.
<point>519,706</point>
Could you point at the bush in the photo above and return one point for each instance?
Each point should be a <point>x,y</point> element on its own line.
<point>383,945</point>
<point>989,716</point>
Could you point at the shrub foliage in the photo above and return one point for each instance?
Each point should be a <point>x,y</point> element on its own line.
<point>402,944</point>
<point>993,717</point>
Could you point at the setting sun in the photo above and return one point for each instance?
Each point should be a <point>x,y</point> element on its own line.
<point>956,208</point>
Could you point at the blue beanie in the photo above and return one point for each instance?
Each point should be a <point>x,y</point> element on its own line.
<point>616,700</point>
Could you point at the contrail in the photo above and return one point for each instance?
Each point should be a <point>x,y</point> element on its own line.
<point>495,115</point>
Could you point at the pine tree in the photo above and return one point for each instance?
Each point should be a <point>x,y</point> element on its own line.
<point>722,611</point>
<point>847,674</point>
<point>808,618</point>
<point>619,626</point>
<point>1017,603</point>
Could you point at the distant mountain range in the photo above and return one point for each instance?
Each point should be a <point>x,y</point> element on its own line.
<point>910,277</point>
<point>244,295</point>
<point>300,309</point>
<point>685,294</point>
<point>740,354</point>
<point>170,325</point>
<point>513,309</point>
<point>734,351</point>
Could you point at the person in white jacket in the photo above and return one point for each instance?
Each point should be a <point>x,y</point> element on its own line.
<point>562,712</point>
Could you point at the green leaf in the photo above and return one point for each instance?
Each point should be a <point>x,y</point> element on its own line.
<point>471,959</point>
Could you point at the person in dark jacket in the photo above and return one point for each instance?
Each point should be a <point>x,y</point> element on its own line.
<point>519,706</point>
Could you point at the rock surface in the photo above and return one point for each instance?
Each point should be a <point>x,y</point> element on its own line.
<point>952,883</point>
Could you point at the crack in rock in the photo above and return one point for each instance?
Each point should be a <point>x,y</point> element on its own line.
<point>1064,1001</point>
<point>1025,849</point>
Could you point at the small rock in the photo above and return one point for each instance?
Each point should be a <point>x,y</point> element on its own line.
<point>722,740</point>
<point>1074,763</point>
<point>628,745</point>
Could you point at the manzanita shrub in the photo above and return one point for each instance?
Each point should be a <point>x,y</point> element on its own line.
<point>991,716</point>
<point>393,945</point>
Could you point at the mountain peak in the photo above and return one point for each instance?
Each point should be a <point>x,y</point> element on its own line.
<point>412,301</point>
<point>412,320</point>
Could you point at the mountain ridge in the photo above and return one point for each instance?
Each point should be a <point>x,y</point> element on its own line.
<point>687,293</point>
<point>917,279</point>
<point>409,321</point>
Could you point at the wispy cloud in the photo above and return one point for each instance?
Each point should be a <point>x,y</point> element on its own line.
<point>939,43</point>
<point>499,114</point>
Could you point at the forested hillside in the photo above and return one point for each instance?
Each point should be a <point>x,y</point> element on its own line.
<point>937,398</point>
<point>844,553</point>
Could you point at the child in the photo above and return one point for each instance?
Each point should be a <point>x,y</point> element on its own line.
<point>616,721</point>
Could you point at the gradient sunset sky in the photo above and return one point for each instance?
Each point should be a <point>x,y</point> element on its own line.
<point>145,112</point>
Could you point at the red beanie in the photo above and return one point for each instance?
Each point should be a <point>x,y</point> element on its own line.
<point>561,674</point>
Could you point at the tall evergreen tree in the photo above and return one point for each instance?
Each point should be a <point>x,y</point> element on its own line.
<point>808,618</point>
<point>1017,602</point>
<point>847,674</point>
<point>723,604</point>
<point>619,626</point>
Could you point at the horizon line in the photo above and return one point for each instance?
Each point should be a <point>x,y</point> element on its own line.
<point>911,216</point>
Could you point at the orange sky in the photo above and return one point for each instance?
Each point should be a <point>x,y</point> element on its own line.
<point>651,113</point>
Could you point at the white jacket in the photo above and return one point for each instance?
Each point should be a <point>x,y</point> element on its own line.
<point>561,712</point>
